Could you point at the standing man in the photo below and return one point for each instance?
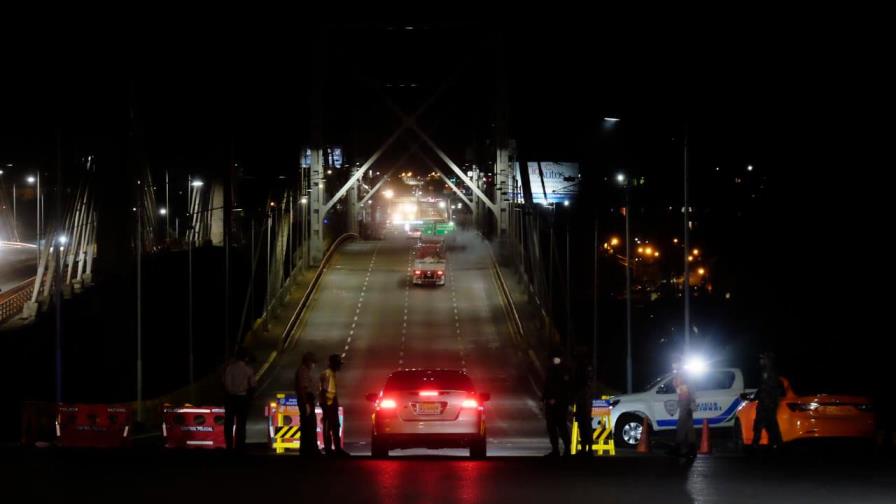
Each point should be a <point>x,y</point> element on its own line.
<point>767,398</point>
<point>556,398</point>
<point>239,384</point>
<point>329,403</point>
<point>685,435</point>
<point>305,400</point>
<point>583,399</point>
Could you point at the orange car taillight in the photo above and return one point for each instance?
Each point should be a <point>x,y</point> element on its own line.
<point>388,404</point>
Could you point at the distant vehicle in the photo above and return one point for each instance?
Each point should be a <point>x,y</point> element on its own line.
<point>717,393</point>
<point>429,265</point>
<point>428,408</point>
<point>413,229</point>
<point>811,416</point>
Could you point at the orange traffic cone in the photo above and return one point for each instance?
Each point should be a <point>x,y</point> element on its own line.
<point>705,444</point>
<point>644,442</point>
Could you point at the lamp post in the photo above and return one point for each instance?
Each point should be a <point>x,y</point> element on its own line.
<point>622,179</point>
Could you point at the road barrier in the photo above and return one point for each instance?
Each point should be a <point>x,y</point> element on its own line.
<point>705,443</point>
<point>193,427</point>
<point>602,431</point>
<point>284,425</point>
<point>93,425</point>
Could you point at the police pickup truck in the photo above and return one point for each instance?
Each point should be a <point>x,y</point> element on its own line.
<point>716,391</point>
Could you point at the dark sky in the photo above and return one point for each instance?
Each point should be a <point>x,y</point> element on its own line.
<point>793,96</point>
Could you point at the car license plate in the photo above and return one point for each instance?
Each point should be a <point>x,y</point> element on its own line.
<point>429,408</point>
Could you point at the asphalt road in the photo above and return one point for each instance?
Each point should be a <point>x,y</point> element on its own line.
<point>155,476</point>
<point>17,264</point>
<point>367,309</point>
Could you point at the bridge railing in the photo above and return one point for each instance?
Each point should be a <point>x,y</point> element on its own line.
<point>13,301</point>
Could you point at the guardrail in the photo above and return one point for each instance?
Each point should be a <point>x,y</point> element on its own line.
<point>286,337</point>
<point>510,306</point>
<point>13,300</point>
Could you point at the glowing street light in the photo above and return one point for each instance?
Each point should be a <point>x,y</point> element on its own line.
<point>701,271</point>
<point>163,211</point>
<point>614,241</point>
<point>30,179</point>
<point>388,193</point>
<point>197,183</point>
<point>620,177</point>
<point>696,252</point>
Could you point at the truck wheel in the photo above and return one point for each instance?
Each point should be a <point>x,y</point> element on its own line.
<point>627,433</point>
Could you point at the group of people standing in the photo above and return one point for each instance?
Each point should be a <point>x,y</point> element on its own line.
<point>311,389</point>
<point>568,392</point>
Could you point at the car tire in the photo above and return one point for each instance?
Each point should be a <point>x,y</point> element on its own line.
<point>627,432</point>
<point>378,448</point>
<point>478,449</point>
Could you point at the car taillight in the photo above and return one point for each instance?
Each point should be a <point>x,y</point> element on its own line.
<point>388,404</point>
<point>802,406</point>
<point>416,272</point>
<point>440,273</point>
<point>428,393</point>
<point>470,403</point>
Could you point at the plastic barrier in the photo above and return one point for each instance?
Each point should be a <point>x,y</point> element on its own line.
<point>284,427</point>
<point>93,425</point>
<point>193,426</point>
<point>602,429</point>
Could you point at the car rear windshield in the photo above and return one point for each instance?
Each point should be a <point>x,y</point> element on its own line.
<point>435,379</point>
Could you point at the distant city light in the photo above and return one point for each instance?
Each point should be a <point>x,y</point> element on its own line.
<point>304,200</point>
<point>614,241</point>
<point>749,167</point>
<point>329,172</point>
<point>388,193</point>
<point>62,240</point>
<point>31,179</point>
<point>620,177</point>
<point>163,211</point>
<point>696,252</point>
<point>701,271</point>
<point>441,204</point>
<point>674,240</point>
<point>656,254</point>
<point>565,202</point>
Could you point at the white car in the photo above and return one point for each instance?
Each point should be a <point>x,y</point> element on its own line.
<point>428,408</point>
<point>717,393</point>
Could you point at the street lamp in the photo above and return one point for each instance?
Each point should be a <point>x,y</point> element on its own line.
<point>388,193</point>
<point>31,179</point>
<point>621,178</point>
<point>163,211</point>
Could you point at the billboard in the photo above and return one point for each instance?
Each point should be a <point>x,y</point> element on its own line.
<point>555,182</point>
<point>332,157</point>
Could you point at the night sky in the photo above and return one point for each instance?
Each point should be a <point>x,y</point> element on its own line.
<point>807,250</point>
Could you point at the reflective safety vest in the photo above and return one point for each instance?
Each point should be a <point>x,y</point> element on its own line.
<point>328,385</point>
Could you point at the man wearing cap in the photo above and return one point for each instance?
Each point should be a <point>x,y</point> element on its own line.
<point>329,404</point>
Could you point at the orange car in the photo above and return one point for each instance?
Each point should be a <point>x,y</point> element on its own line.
<point>811,416</point>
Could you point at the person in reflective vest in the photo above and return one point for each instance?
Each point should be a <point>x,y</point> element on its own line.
<point>329,404</point>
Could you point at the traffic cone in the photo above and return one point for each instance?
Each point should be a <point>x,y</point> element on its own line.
<point>705,444</point>
<point>644,442</point>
